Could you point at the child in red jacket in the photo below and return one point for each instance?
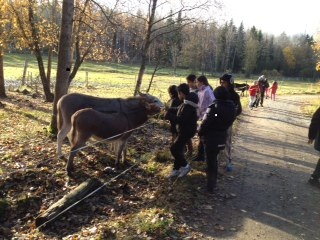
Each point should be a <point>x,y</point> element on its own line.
<point>253,91</point>
<point>274,88</point>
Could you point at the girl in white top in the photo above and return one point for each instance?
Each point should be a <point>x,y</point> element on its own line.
<point>205,95</point>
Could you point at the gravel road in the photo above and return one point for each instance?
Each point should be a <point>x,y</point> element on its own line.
<point>271,198</point>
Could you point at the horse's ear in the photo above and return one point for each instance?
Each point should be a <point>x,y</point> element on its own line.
<point>142,94</point>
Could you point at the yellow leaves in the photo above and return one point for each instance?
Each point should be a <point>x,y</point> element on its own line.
<point>289,57</point>
<point>317,49</point>
<point>4,23</point>
<point>21,28</point>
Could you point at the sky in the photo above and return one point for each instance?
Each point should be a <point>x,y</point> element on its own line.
<point>270,16</point>
<point>275,16</point>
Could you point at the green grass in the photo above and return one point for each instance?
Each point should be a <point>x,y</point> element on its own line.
<point>118,80</point>
<point>312,107</point>
<point>105,79</point>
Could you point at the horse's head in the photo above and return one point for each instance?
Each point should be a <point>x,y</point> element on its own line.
<point>152,99</point>
<point>152,108</point>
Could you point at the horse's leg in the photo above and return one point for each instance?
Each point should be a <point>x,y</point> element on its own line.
<point>122,150</point>
<point>77,142</point>
<point>70,165</point>
<point>121,146</point>
<point>63,132</point>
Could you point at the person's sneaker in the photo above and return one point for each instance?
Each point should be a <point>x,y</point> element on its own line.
<point>184,170</point>
<point>174,173</point>
<point>207,191</point>
<point>198,159</point>
<point>314,182</point>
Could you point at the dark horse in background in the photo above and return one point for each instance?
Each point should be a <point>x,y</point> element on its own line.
<point>71,103</point>
<point>88,123</point>
<point>241,87</point>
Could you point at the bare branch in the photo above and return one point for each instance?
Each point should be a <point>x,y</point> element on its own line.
<point>155,36</point>
<point>105,14</point>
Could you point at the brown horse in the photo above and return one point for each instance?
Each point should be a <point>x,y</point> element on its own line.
<point>70,103</point>
<point>112,127</point>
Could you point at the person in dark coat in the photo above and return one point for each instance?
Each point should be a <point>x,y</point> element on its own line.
<point>227,81</point>
<point>262,80</point>
<point>213,131</point>
<point>186,121</point>
<point>314,136</point>
<point>172,106</point>
<point>191,81</point>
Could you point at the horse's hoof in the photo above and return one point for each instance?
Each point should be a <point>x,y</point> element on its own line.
<point>70,171</point>
<point>70,174</point>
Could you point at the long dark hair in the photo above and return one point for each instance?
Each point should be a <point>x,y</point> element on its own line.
<point>173,91</point>
<point>203,79</point>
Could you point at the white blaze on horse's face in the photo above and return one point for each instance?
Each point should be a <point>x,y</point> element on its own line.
<point>152,99</point>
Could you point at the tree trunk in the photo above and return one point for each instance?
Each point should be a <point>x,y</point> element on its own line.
<point>64,59</point>
<point>146,46</point>
<point>140,74</point>
<point>43,77</point>
<point>49,66</point>
<point>2,86</point>
<point>153,74</point>
<point>25,68</point>
<point>37,52</point>
<point>77,194</point>
<point>50,52</point>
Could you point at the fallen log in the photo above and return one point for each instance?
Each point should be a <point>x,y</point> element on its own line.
<point>55,210</point>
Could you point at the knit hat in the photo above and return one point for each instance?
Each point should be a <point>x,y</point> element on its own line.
<point>221,93</point>
<point>227,78</point>
<point>262,78</point>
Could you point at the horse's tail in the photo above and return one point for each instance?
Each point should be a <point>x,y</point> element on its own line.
<point>59,116</point>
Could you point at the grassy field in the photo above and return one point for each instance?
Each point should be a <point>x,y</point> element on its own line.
<point>118,80</point>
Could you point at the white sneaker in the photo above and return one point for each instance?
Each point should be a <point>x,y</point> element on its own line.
<point>184,170</point>
<point>174,173</point>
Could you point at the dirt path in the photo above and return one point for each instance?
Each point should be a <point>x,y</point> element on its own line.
<point>272,165</point>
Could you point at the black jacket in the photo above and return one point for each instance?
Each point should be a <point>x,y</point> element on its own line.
<point>186,117</point>
<point>219,117</point>
<point>234,96</point>
<point>314,129</point>
<point>173,106</point>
